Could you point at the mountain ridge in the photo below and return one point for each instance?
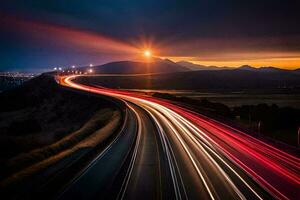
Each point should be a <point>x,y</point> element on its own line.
<point>196,67</point>
<point>158,65</point>
<point>138,67</point>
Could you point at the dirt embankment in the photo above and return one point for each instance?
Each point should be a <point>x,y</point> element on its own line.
<point>45,128</point>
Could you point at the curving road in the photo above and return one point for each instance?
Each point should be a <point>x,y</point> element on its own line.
<point>168,152</point>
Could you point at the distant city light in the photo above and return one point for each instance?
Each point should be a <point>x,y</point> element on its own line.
<point>73,66</point>
<point>59,68</point>
<point>91,65</point>
<point>55,68</point>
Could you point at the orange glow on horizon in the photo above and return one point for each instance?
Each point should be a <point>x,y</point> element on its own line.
<point>284,62</point>
<point>147,49</point>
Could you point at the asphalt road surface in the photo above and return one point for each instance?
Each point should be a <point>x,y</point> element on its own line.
<point>169,152</point>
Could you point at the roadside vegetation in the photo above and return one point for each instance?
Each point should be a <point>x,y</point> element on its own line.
<point>280,123</point>
<point>46,128</point>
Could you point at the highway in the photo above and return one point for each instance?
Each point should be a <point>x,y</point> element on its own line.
<point>169,152</point>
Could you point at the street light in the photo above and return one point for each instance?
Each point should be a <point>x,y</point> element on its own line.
<point>91,65</point>
<point>73,67</point>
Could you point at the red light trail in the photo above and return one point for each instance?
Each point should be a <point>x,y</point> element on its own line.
<point>217,154</point>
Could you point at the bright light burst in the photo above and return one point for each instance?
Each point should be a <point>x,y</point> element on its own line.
<point>147,53</point>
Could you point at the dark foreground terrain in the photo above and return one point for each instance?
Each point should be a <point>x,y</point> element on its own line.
<point>46,128</point>
<point>9,82</point>
<point>235,79</point>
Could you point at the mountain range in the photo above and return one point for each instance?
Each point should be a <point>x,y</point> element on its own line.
<point>158,65</point>
<point>139,67</point>
<point>196,67</point>
<point>166,74</point>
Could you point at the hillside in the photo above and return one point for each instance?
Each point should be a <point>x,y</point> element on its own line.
<point>42,131</point>
<point>134,67</point>
<point>7,82</point>
<point>196,67</point>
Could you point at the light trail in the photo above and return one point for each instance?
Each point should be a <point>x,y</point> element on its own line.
<point>131,165</point>
<point>227,162</point>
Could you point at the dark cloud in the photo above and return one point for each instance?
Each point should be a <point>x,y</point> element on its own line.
<point>165,21</point>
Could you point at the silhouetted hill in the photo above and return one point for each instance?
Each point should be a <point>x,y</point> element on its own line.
<point>196,67</point>
<point>263,69</point>
<point>247,67</point>
<point>297,71</point>
<point>133,67</point>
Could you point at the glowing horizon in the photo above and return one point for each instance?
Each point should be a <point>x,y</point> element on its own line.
<point>282,63</point>
<point>204,52</point>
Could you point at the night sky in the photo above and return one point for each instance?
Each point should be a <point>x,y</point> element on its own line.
<point>41,35</point>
